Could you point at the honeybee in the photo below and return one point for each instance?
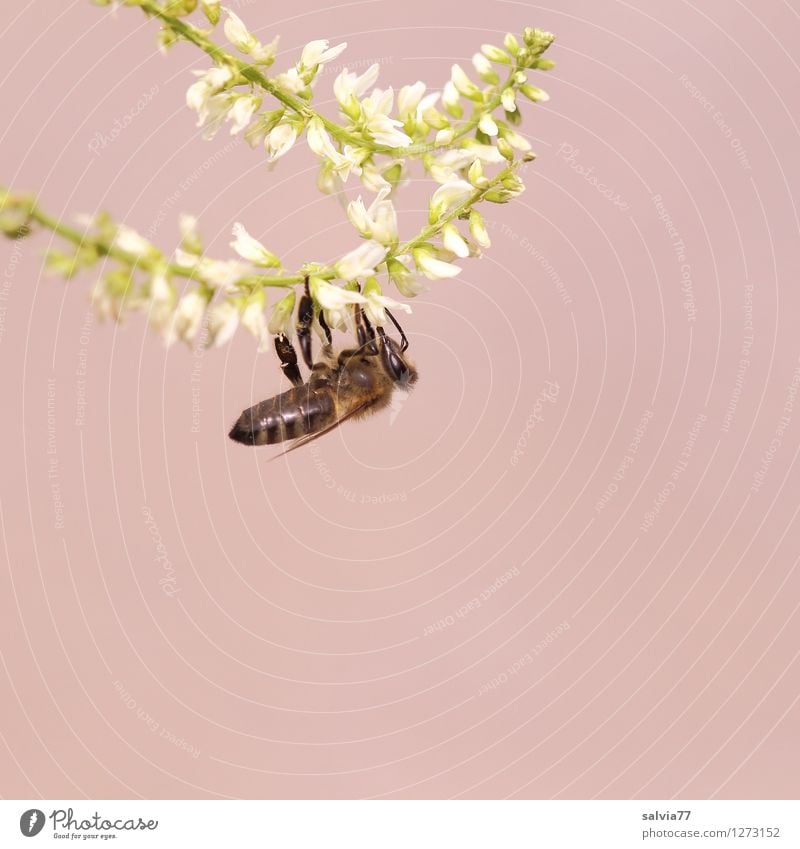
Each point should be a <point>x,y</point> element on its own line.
<point>355,383</point>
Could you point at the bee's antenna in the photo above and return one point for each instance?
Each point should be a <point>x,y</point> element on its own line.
<point>403,339</point>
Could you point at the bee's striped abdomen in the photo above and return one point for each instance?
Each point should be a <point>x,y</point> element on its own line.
<point>298,412</point>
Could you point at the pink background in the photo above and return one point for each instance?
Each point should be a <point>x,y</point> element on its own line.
<point>312,629</point>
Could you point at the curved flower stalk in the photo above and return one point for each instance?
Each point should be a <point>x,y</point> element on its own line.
<point>463,134</point>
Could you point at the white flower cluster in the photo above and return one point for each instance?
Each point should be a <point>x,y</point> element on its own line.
<point>464,135</point>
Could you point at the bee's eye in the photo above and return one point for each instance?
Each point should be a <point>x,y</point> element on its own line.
<point>394,364</point>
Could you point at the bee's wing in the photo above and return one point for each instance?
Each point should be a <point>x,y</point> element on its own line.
<point>304,440</point>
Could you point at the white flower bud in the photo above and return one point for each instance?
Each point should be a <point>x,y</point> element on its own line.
<point>223,319</point>
<point>253,319</point>
<point>281,319</point>
<point>377,303</point>
<point>237,33</point>
<point>487,125</point>
<point>463,83</point>
<point>475,175</point>
<point>511,44</point>
<point>448,196</point>
<point>379,222</point>
<point>187,318</point>
<point>452,99</point>
<point>477,228</point>
<point>495,54</point>
<point>360,262</point>
<point>280,140</point>
<point>131,242</point>
<point>162,300</point>
<point>444,137</point>
<point>407,284</point>
<point>453,241</point>
<point>484,68</point>
<point>251,249</point>
<point>433,268</point>
<point>264,54</point>
<point>190,238</point>
<point>409,97</point>
<point>535,94</point>
<point>515,139</point>
<point>509,100</point>
<point>242,111</point>
<point>318,52</point>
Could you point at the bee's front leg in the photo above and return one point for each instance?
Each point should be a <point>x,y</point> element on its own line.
<point>305,316</point>
<point>288,357</point>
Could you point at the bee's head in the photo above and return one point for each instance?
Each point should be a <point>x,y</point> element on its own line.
<point>397,365</point>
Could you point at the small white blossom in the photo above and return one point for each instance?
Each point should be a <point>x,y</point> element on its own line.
<point>360,262</point>
<point>373,179</point>
<point>509,100</point>
<point>378,222</point>
<point>105,303</point>
<point>425,110</point>
<point>251,249</point>
<point>318,53</point>
<point>291,81</point>
<point>448,196</point>
<point>242,111</point>
<point>216,272</point>
<point>237,33</point>
<point>377,303</point>
<point>187,318</point>
<point>223,319</point>
<point>453,241</point>
<point>280,140</point>
<point>445,166</point>
<point>348,87</point>
<point>335,301</point>
<point>320,143</point>
<point>131,242</point>
<point>215,112</point>
<point>409,98</point>
<point>264,54</point>
<point>162,300</point>
<point>487,153</point>
<point>211,82</point>
<point>382,128</point>
<point>190,238</point>
<point>407,283</point>
<point>433,268</point>
<point>281,319</point>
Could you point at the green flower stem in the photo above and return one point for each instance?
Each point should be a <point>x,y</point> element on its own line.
<point>251,282</point>
<point>300,106</point>
<point>478,195</point>
<point>104,248</point>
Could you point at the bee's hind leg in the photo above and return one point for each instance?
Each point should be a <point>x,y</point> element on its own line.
<point>288,357</point>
